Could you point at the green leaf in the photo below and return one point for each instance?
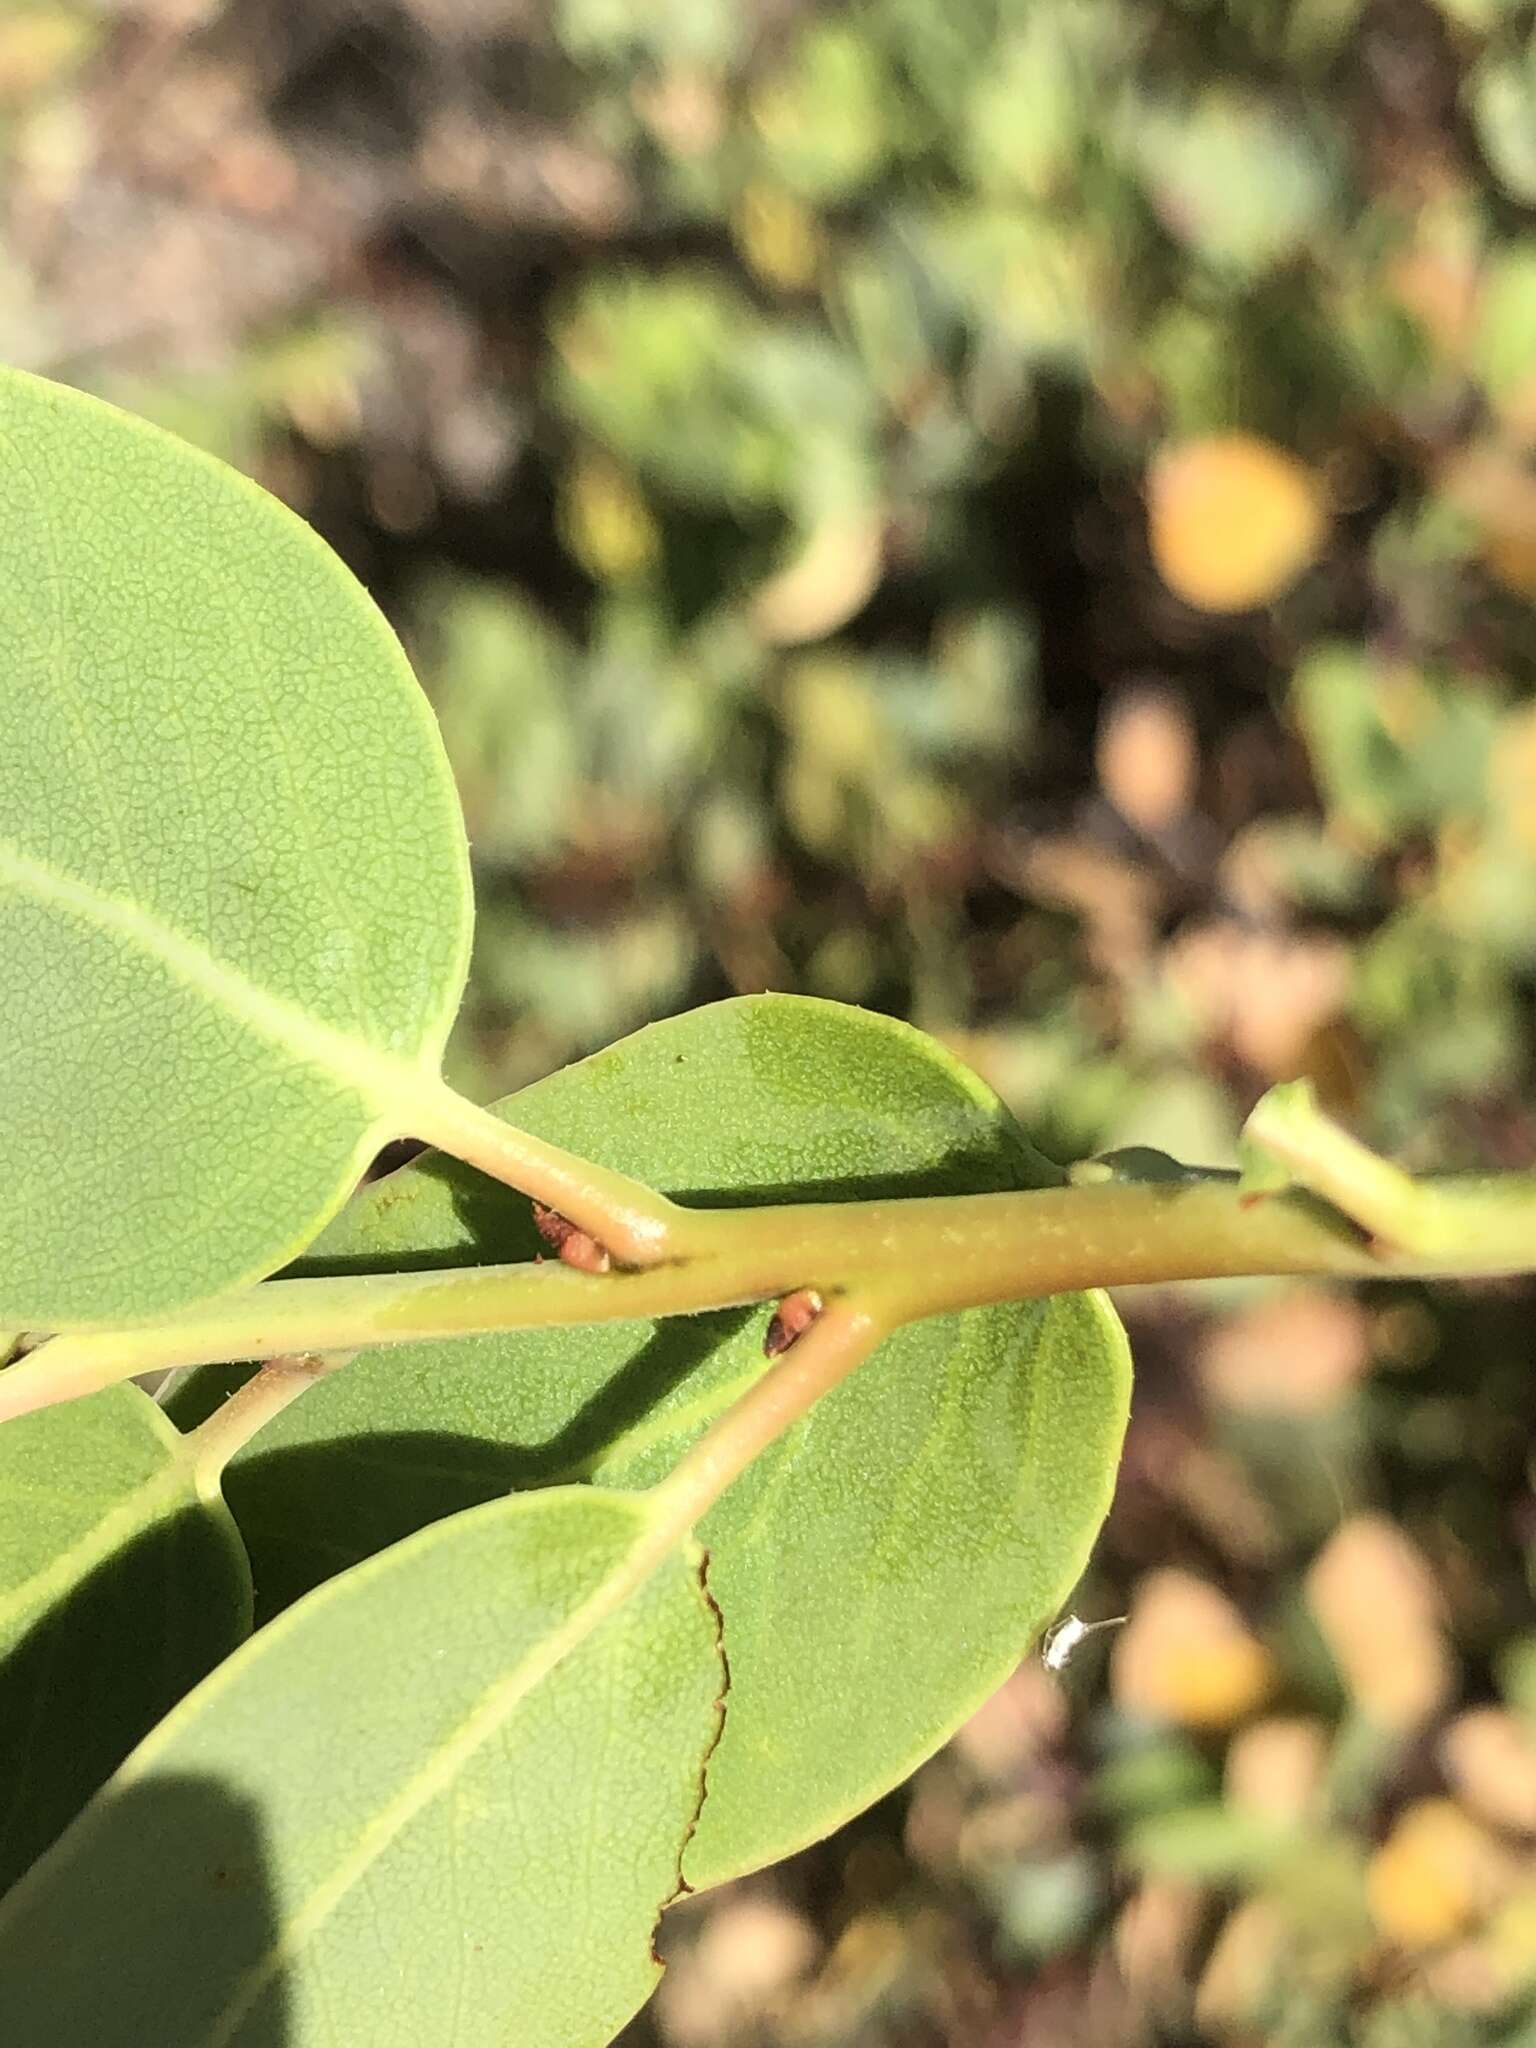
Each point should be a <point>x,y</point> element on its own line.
<point>1037,107</point>
<point>1506,310</point>
<point>119,1588</point>
<point>881,1570</point>
<point>1231,177</point>
<point>828,121</point>
<point>686,34</point>
<point>1288,1107</point>
<point>234,902</point>
<point>653,367</point>
<point>1023,279</point>
<point>443,1798</point>
<point>502,681</point>
<point>1502,93</point>
<point>1215,1844</point>
<point>1395,750</point>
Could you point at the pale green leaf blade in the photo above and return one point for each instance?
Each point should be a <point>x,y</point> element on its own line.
<point>1501,93</point>
<point>442,1799</point>
<point>119,1588</point>
<point>881,1571</point>
<point>234,902</point>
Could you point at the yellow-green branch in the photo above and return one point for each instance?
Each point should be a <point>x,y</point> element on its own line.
<point>923,1256</point>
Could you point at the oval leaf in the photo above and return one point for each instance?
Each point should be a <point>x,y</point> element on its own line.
<point>443,1798</point>
<point>120,1586</point>
<point>879,1572</point>
<point>234,900</point>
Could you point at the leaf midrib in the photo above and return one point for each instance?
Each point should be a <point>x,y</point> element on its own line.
<point>380,1078</point>
<point>438,1775</point>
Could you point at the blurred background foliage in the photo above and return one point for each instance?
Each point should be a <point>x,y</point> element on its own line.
<point>1020,513</point>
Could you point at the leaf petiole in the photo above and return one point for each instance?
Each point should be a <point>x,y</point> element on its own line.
<point>210,1446</point>
<point>630,1220</point>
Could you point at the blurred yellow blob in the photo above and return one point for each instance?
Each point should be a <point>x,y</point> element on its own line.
<point>1489,1757</point>
<point>1512,778</point>
<point>1148,757</point>
<point>1233,520</point>
<point>1275,1768</point>
<point>1244,1966</point>
<point>1378,1608</point>
<point>37,48</point>
<point>1495,488</point>
<point>1187,1656</point>
<point>1436,1875</point>
<point>606,523</point>
<point>780,238</point>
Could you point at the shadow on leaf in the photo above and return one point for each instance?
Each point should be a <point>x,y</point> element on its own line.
<point>309,1511</point>
<point>110,1657</point>
<point>146,1924</point>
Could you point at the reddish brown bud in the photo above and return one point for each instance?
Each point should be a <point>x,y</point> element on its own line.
<point>574,1246</point>
<point>792,1318</point>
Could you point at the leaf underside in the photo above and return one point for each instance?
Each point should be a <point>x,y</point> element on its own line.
<point>881,1570</point>
<point>234,901</point>
<point>458,1780</point>
<point>119,1589</point>
<point>441,1799</point>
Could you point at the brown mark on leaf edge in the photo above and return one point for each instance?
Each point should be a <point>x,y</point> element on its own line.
<point>576,1247</point>
<point>683,1889</point>
<point>791,1319</point>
